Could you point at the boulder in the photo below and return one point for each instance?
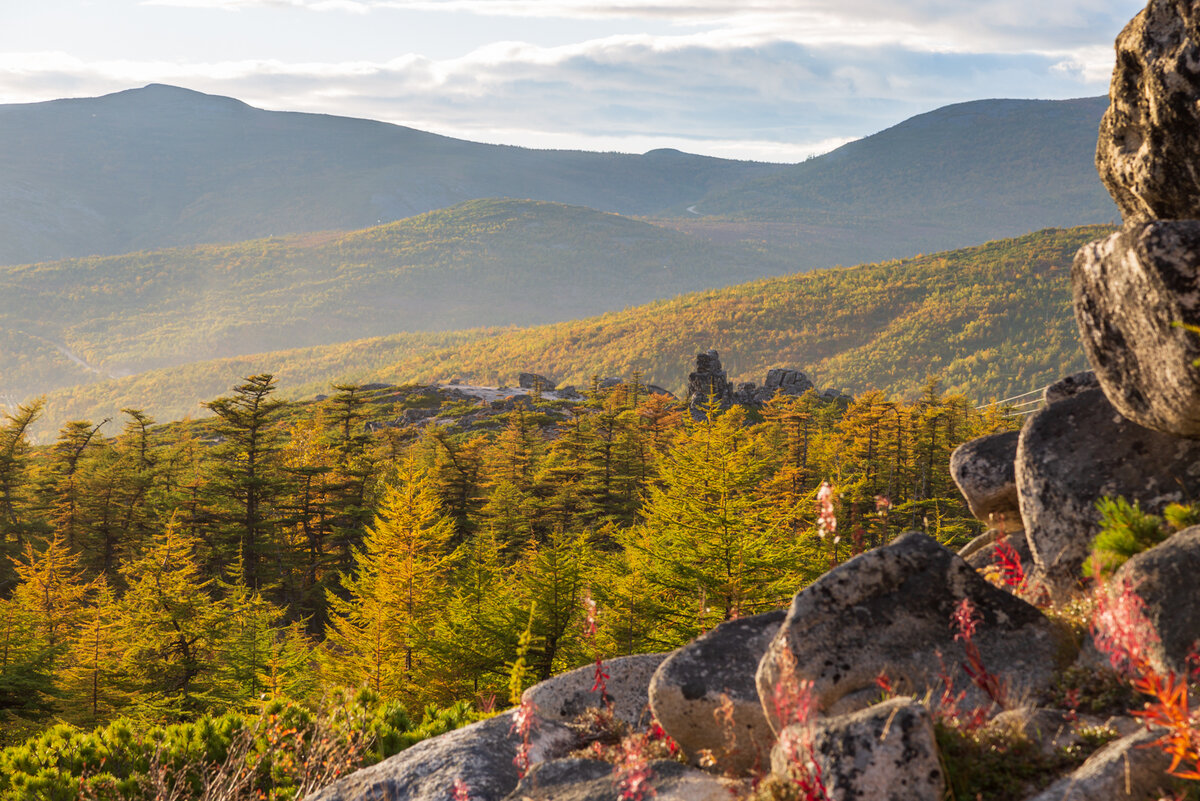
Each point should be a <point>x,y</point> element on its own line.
<point>1132,292</point>
<point>886,752</point>
<point>689,688</point>
<point>889,611</point>
<point>1165,579</point>
<point>566,696</point>
<point>708,384</point>
<point>788,382</point>
<point>655,389</point>
<point>1150,134</point>
<point>1129,769</point>
<point>480,755</point>
<point>1076,451</point>
<point>980,553</point>
<point>1070,385</point>
<point>593,780</point>
<point>984,471</point>
<point>534,381</point>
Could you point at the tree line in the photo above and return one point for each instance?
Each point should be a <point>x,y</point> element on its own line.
<point>279,551</point>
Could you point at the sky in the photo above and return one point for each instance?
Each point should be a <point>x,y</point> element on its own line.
<point>769,80</point>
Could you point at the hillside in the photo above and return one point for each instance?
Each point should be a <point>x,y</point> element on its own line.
<point>162,166</point>
<point>955,176</point>
<point>990,320</point>
<point>481,263</point>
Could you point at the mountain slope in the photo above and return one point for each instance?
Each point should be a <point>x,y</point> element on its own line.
<point>485,262</point>
<point>162,166</point>
<point>992,320</point>
<point>949,178</point>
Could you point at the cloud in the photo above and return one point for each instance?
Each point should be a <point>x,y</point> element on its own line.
<point>1008,25</point>
<point>699,92</point>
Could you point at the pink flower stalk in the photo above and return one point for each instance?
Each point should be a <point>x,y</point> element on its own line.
<point>965,620</point>
<point>634,774</point>
<point>1007,559</point>
<point>524,723</point>
<point>795,706</point>
<point>461,791</point>
<point>826,520</point>
<point>1121,627</point>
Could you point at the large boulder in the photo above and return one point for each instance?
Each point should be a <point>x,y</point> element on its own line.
<point>886,752</point>
<point>1069,386</point>
<point>480,756</point>
<point>984,470</point>
<point>690,688</point>
<point>787,382</point>
<point>564,697</point>
<point>1150,134</point>
<point>708,385</point>
<point>593,780</point>
<point>535,381</point>
<point>1076,451</point>
<point>888,611</point>
<point>1165,579</point>
<point>1133,291</point>
<point>1129,769</point>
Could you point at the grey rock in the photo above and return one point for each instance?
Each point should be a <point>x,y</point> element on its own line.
<point>708,384</point>
<point>1132,291</point>
<point>1069,386</point>
<point>1165,578</point>
<point>889,610</point>
<point>593,780</point>
<point>884,753</point>
<point>1123,770</point>
<point>980,553</point>
<point>1150,134</point>
<point>831,395</point>
<point>481,755</point>
<point>655,389</point>
<point>786,381</point>
<point>534,381</point>
<point>567,695</point>
<point>686,692</point>
<point>1076,451</point>
<point>610,382</point>
<point>984,470</point>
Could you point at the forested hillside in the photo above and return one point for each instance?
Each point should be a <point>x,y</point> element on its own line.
<point>485,262</point>
<point>991,321</point>
<point>279,552</point>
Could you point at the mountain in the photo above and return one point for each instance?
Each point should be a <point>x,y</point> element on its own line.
<point>163,166</point>
<point>956,176</point>
<point>991,321</point>
<point>481,263</point>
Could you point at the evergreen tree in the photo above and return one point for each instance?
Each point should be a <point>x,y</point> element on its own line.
<point>248,479</point>
<point>90,678</point>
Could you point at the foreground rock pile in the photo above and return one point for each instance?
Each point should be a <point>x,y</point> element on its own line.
<point>841,691</point>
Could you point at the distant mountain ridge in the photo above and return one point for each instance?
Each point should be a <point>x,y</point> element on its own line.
<point>163,166</point>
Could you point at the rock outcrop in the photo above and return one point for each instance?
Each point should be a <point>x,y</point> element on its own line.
<point>568,695</point>
<point>1125,770</point>
<point>1069,386</point>
<point>889,611</point>
<point>480,756</point>
<point>591,780</point>
<point>1164,577</point>
<point>708,385</point>
<point>1133,292</point>
<point>984,470</point>
<point>1078,450</point>
<point>1150,135</point>
<point>689,689</point>
<point>886,752</point>
<point>535,381</point>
